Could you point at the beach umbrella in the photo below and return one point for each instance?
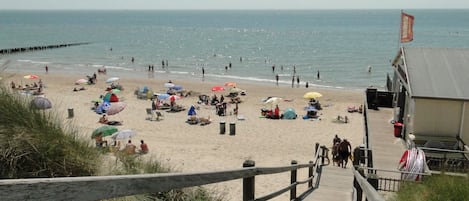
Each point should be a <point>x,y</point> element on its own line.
<point>163,96</point>
<point>218,88</point>
<point>174,97</point>
<point>116,108</point>
<point>41,103</point>
<point>112,79</point>
<point>81,81</point>
<point>30,77</point>
<point>312,95</point>
<point>176,87</point>
<point>105,130</point>
<point>168,85</point>
<point>123,134</point>
<point>115,91</point>
<point>230,84</point>
<point>107,97</point>
<point>235,90</point>
<point>273,101</point>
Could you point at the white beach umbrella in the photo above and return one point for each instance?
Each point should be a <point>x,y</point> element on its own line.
<point>112,79</point>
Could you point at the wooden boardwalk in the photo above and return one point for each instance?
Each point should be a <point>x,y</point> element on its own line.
<point>335,184</point>
<point>387,149</point>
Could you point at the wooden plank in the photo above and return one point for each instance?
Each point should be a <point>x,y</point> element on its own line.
<point>104,187</point>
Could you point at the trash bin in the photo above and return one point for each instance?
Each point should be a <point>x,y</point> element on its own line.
<point>70,113</point>
<point>398,129</point>
<point>222,127</point>
<point>232,128</point>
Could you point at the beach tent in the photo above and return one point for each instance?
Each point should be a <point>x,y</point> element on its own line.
<point>289,113</point>
<point>101,109</point>
<point>113,98</point>
<point>110,97</point>
<point>192,111</point>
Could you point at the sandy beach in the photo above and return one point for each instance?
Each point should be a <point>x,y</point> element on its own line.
<point>195,148</point>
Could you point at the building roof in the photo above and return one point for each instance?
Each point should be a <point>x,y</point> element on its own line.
<point>441,73</point>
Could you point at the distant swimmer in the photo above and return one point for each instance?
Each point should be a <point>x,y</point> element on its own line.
<point>276,78</point>
<point>369,68</point>
<point>318,75</point>
<point>229,65</point>
<point>133,59</point>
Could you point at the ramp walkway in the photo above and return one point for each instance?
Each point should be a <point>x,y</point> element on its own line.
<point>335,184</point>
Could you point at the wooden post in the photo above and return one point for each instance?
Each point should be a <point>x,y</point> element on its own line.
<point>293,180</point>
<point>323,155</point>
<point>357,186</point>
<point>310,173</point>
<point>370,159</point>
<point>316,148</point>
<point>249,182</point>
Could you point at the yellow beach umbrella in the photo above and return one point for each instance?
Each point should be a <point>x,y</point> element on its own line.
<point>312,95</point>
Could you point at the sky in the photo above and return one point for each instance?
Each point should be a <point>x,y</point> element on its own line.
<point>230,4</point>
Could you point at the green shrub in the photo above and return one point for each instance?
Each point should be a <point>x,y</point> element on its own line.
<point>436,188</point>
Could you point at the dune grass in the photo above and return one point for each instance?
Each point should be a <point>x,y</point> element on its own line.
<point>436,188</point>
<point>33,143</point>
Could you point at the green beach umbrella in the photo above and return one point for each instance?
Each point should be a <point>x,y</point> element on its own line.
<point>105,130</point>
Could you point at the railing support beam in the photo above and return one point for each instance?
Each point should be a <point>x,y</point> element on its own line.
<point>249,182</point>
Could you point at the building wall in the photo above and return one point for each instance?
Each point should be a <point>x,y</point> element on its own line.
<point>437,117</point>
<point>465,129</point>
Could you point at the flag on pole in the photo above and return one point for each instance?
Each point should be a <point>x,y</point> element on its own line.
<point>407,23</point>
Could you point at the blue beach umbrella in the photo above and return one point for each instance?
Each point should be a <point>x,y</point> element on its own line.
<point>176,87</point>
<point>163,96</point>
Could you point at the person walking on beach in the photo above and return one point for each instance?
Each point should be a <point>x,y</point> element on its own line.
<point>307,84</point>
<point>47,69</point>
<point>318,75</point>
<point>297,81</point>
<point>203,72</point>
<point>276,78</point>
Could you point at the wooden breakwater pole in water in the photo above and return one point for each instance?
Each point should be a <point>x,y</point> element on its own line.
<point>38,48</point>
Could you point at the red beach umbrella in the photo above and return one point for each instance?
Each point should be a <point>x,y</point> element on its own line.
<point>218,88</point>
<point>31,77</point>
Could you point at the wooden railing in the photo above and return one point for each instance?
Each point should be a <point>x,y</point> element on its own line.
<point>104,187</point>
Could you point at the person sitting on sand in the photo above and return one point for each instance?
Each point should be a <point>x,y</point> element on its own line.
<point>143,148</point>
<point>103,119</point>
<point>275,114</point>
<point>99,140</point>
<point>204,121</point>
<point>130,148</point>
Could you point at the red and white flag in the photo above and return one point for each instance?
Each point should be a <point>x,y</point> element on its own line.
<point>407,23</point>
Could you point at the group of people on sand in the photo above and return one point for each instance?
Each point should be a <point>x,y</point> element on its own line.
<point>129,148</point>
<point>341,151</point>
<point>34,88</point>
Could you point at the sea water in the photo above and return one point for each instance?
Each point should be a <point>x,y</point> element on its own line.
<point>342,45</point>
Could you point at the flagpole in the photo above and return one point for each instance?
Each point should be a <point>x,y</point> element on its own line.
<point>400,32</point>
